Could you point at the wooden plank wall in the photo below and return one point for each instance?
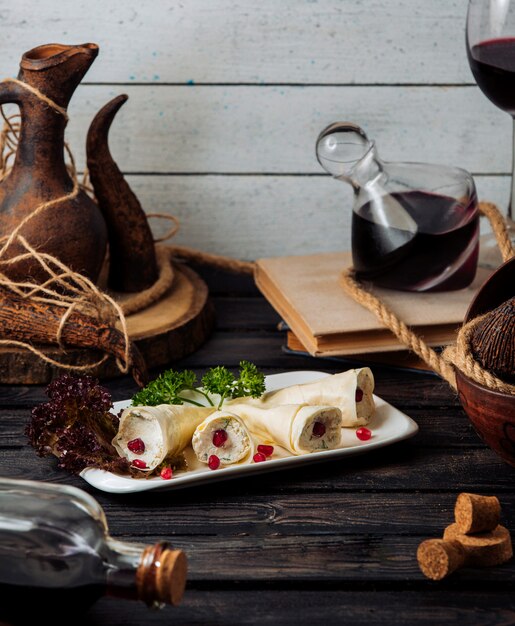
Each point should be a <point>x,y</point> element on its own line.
<point>226,99</point>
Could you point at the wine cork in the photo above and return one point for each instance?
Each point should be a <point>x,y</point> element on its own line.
<point>171,576</point>
<point>161,575</point>
<point>483,549</point>
<point>476,514</point>
<point>438,558</point>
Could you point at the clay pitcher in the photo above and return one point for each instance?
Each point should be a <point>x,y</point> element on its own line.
<point>74,231</point>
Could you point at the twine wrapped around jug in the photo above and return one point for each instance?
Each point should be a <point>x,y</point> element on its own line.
<point>67,308</point>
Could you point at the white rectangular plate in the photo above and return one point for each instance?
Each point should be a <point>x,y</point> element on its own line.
<point>388,425</point>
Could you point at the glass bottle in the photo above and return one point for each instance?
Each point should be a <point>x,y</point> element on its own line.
<point>56,554</point>
<point>415,226</point>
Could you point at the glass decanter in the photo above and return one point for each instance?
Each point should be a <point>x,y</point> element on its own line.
<point>415,226</point>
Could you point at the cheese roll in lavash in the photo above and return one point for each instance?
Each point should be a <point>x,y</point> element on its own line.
<point>165,429</point>
<point>350,391</point>
<point>235,444</point>
<point>298,428</point>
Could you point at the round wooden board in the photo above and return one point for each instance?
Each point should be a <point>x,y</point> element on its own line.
<point>170,329</point>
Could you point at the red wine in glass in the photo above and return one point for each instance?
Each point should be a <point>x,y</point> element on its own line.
<point>493,64</point>
<point>490,42</point>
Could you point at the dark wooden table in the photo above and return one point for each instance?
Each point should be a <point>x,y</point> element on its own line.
<point>332,543</point>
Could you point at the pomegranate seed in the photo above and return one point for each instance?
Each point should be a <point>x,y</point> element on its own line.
<point>318,429</point>
<point>139,464</point>
<point>359,394</point>
<point>259,457</point>
<point>166,473</point>
<point>219,437</point>
<point>213,462</point>
<point>136,446</point>
<point>266,450</point>
<point>363,433</point>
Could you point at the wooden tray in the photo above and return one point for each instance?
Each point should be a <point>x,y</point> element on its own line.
<point>172,328</point>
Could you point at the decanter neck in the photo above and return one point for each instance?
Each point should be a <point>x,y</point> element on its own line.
<point>365,171</point>
<point>345,152</point>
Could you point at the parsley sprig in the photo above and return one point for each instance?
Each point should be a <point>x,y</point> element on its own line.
<point>169,387</point>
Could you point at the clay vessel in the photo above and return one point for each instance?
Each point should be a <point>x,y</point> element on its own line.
<point>73,231</point>
<point>492,413</point>
<point>132,257</point>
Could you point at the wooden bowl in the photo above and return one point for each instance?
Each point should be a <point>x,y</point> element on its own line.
<point>492,413</point>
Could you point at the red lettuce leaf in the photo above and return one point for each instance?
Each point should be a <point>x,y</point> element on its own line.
<point>76,426</point>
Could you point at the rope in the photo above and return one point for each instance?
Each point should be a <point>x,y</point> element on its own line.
<point>461,356</point>
<point>489,210</point>
<point>145,298</point>
<point>41,96</point>
<point>63,288</point>
<point>403,333</point>
<point>39,209</point>
<point>186,253</point>
<point>172,231</point>
<point>458,356</point>
<point>215,260</point>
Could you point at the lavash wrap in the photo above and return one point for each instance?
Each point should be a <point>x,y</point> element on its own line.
<point>237,450</point>
<point>165,429</point>
<point>291,426</point>
<point>338,390</point>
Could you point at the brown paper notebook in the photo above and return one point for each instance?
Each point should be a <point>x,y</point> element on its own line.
<point>305,291</point>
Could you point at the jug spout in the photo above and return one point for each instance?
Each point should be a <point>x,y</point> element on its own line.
<point>57,69</point>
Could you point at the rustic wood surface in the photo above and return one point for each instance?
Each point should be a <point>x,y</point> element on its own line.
<point>332,543</point>
<point>226,100</point>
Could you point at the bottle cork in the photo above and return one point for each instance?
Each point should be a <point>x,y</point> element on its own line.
<point>161,575</point>
<point>438,558</point>
<point>483,549</point>
<point>476,514</point>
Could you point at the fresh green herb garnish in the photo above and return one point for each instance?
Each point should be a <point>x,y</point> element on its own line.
<point>250,383</point>
<point>219,380</point>
<point>169,387</point>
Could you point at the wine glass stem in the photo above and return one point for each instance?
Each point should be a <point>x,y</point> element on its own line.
<point>511,206</point>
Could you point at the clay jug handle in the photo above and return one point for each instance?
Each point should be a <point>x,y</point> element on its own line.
<point>10,92</point>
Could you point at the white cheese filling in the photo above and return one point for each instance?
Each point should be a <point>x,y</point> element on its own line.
<point>137,425</point>
<point>235,449</point>
<point>329,418</point>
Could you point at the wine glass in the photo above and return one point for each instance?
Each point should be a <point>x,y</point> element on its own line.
<point>490,38</point>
